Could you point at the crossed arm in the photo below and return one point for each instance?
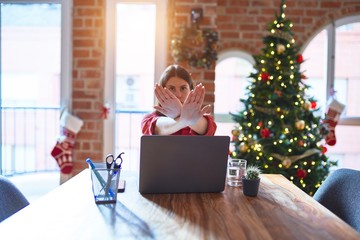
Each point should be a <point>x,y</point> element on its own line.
<point>178,115</point>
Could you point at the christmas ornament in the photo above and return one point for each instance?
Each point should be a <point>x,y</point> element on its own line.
<point>299,59</point>
<point>323,149</point>
<point>307,105</point>
<point>301,173</point>
<point>265,76</point>
<point>332,116</point>
<point>286,163</point>
<point>278,93</point>
<point>300,124</point>
<point>62,152</point>
<point>243,147</point>
<point>313,104</point>
<point>280,48</point>
<point>105,110</point>
<point>235,132</point>
<point>301,143</point>
<point>265,133</point>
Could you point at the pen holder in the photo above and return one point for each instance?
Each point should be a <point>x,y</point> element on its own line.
<point>104,183</point>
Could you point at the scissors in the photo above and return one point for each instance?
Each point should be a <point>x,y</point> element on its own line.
<point>110,160</point>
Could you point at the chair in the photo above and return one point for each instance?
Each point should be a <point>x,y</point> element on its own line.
<point>340,193</point>
<point>11,199</point>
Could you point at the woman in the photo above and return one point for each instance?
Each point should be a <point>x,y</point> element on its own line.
<point>179,111</point>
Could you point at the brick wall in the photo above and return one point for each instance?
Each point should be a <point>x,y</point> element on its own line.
<point>88,78</point>
<point>241,25</point>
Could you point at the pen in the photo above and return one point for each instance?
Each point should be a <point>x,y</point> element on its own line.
<point>98,176</point>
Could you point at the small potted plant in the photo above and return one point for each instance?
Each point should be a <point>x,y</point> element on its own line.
<point>251,181</point>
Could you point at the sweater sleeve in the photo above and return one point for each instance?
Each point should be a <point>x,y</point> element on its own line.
<point>148,123</point>
<point>211,128</point>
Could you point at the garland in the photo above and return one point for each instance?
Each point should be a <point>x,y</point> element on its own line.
<point>197,47</point>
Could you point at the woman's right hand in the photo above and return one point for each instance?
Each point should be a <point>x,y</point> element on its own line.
<point>170,105</point>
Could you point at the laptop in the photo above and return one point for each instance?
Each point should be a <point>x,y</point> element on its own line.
<point>183,164</point>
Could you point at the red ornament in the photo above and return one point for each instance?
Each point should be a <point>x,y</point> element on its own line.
<point>301,143</point>
<point>303,76</point>
<point>313,104</point>
<point>260,124</point>
<point>278,93</point>
<point>323,149</point>
<point>301,173</point>
<point>265,133</point>
<point>299,58</point>
<point>105,110</point>
<point>265,76</point>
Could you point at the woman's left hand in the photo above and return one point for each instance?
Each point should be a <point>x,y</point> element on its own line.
<point>191,110</point>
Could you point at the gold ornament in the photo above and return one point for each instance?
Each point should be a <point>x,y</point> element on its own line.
<point>300,124</point>
<point>286,163</point>
<point>243,147</point>
<point>280,48</point>
<point>307,105</point>
<point>235,132</point>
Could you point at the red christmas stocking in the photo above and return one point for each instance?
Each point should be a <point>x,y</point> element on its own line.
<point>331,118</point>
<point>62,152</point>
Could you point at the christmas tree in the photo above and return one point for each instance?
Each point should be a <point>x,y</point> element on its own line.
<point>279,130</point>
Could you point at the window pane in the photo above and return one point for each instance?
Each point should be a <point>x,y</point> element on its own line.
<point>30,54</point>
<point>347,71</point>
<point>314,68</point>
<point>232,78</point>
<point>135,56</point>
<point>135,73</point>
<point>231,81</point>
<point>30,85</point>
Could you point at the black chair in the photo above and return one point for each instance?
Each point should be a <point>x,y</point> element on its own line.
<point>11,199</point>
<point>340,193</point>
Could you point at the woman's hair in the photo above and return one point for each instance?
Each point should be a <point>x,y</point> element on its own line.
<point>176,71</point>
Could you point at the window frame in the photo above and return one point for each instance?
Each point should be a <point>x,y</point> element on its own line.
<point>66,54</point>
<point>330,59</point>
<point>110,57</point>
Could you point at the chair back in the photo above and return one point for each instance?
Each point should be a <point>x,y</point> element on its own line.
<point>11,199</point>
<point>340,193</point>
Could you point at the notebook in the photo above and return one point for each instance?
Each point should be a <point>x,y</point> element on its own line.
<point>183,164</point>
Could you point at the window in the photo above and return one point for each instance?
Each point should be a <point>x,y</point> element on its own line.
<point>35,75</point>
<point>231,80</point>
<point>136,57</point>
<point>331,66</point>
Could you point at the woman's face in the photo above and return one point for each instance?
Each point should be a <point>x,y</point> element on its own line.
<point>179,87</point>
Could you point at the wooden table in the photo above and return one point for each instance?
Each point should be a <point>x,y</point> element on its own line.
<point>280,211</point>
